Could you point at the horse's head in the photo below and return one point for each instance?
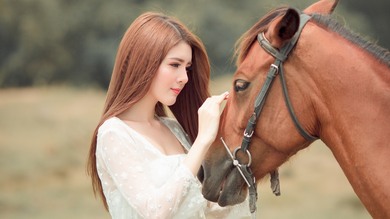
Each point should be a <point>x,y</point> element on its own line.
<point>275,137</point>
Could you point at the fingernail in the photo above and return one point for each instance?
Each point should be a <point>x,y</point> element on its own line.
<point>226,94</point>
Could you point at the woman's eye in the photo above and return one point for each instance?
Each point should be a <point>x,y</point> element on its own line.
<point>189,68</point>
<point>240,85</point>
<point>175,65</point>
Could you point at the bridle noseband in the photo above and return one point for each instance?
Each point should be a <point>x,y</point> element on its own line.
<point>275,69</point>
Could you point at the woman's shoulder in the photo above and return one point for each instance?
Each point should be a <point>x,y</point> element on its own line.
<point>111,124</point>
<point>114,126</point>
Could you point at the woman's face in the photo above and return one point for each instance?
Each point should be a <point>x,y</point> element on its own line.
<point>172,74</point>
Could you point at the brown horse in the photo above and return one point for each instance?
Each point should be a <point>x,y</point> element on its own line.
<point>339,89</point>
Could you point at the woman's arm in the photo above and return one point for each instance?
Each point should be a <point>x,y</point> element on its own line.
<point>209,114</point>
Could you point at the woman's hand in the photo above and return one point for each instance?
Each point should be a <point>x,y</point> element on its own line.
<point>209,114</point>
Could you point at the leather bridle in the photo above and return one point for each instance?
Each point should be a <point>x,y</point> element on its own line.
<point>275,69</point>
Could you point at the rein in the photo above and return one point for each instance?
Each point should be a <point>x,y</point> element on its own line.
<point>275,69</point>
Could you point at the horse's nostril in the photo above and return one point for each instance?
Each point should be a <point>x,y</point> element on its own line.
<point>200,174</point>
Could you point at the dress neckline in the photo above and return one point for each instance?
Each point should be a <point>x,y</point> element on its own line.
<point>150,143</point>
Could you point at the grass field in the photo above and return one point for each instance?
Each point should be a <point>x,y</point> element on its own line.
<point>44,141</point>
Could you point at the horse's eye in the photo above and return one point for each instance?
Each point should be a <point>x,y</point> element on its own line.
<point>240,85</point>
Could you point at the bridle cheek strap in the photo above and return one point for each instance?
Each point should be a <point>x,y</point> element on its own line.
<point>280,57</point>
<point>275,68</point>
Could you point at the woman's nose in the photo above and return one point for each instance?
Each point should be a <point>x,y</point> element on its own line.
<point>183,77</point>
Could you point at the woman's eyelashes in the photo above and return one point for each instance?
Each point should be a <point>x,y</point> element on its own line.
<point>189,68</point>
<point>177,65</point>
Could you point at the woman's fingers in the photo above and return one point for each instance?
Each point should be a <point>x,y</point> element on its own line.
<point>214,102</point>
<point>222,97</point>
<point>218,98</point>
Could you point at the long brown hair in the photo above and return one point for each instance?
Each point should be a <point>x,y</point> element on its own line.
<point>141,51</point>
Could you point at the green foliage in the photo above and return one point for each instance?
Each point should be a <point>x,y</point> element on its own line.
<point>376,14</point>
<point>74,42</point>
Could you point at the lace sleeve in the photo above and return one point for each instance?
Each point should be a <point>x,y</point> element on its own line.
<point>127,167</point>
<point>239,211</point>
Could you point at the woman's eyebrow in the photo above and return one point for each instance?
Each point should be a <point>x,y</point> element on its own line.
<point>176,58</point>
<point>179,60</point>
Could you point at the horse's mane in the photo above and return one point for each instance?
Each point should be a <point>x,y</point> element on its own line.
<point>382,54</point>
<point>248,38</point>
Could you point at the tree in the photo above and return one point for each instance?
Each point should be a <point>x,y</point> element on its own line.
<point>75,42</point>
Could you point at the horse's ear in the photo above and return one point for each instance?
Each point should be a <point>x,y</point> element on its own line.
<point>288,26</point>
<point>322,7</point>
<point>284,28</point>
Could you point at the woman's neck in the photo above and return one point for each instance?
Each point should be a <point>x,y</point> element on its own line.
<point>142,111</point>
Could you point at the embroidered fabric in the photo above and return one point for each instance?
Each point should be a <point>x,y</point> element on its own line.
<point>141,182</point>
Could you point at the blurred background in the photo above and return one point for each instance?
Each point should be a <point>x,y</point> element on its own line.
<point>56,58</point>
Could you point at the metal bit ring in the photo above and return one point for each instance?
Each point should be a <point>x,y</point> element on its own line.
<point>247,152</point>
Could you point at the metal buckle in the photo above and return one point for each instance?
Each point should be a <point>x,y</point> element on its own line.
<point>275,67</point>
<point>247,134</point>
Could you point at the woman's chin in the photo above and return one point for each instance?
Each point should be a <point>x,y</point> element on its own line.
<point>169,102</point>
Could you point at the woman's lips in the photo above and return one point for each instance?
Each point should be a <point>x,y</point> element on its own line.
<point>176,90</point>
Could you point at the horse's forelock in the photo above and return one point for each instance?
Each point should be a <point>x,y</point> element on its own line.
<point>245,42</point>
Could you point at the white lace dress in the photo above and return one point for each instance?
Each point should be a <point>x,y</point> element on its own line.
<point>141,182</point>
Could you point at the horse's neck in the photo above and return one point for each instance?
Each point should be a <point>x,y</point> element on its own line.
<point>352,94</point>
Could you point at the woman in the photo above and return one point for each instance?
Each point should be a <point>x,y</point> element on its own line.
<point>141,162</point>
